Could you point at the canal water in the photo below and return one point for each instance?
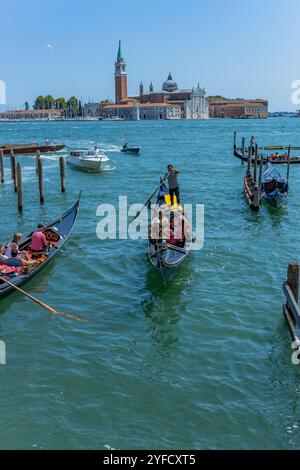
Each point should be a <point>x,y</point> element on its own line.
<point>202,363</point>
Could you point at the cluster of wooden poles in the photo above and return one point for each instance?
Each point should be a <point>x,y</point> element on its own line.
<point>16,175</point>
<point>252,184</point>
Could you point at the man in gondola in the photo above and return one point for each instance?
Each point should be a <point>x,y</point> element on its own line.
<point>173,184</point>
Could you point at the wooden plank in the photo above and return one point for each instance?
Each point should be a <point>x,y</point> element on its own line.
<point>291,302</point>
<point>293,279</point>
<point>291,325</point>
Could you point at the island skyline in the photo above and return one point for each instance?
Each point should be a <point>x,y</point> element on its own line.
<point>72,52</point>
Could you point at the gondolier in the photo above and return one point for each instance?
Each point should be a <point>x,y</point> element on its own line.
<point>173,184</point>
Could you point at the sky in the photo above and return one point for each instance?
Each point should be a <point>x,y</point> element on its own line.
<point>234,48</point>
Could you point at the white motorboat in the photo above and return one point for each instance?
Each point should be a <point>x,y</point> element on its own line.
<point>91,160</point>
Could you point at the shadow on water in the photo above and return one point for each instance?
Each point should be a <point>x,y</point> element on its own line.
<point>276,214</point>
<point>164,307</point>
<point>284,380</point>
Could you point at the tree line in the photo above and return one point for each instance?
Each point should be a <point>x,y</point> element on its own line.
<point>70,108</point>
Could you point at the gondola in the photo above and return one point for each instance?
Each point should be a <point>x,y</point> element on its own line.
<point>57,233</point>
<point>275,160</point>
<point>27,149</point>
<point>167,252</point>
<point>242,153</point>
<point>131,150</point>
<point>274,187</point>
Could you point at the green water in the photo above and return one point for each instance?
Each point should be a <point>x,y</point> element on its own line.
<point>202,363</point>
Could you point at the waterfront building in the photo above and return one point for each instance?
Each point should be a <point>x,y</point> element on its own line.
<point>31,114</point>
<point>167,103</point>
<point>239,108</point>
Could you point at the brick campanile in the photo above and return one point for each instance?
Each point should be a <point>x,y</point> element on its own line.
<point>120,77</point>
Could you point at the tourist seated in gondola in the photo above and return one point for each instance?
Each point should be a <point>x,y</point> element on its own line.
<point>39,244</point>
<point>5,251</point>
<point>160,229</point>
<point>15,261</point>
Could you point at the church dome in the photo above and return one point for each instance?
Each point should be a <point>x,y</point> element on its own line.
<point>169,85</point>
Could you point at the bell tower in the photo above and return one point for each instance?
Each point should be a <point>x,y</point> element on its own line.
<point>120,77</point>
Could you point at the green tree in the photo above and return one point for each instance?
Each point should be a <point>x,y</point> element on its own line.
<point>26,105</point>
<point>79,108</point>
<point>72,107</point>
<point>49,102</point>
<point>60,103</point>
<point>39,102</point>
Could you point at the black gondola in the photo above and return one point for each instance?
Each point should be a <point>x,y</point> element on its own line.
<point>132,150</point>
<point>57,233</point>
<point>165,252</point>
<point>242,153</point>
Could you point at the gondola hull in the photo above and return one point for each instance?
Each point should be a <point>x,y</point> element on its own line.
<point>131,150</point>
<point>168,260</point>
<point>276,201</point>
<point>62,227</point>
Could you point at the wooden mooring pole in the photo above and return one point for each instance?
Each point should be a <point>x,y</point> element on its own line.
<point>255,163</point>
<point>37,157</point>
<point>40,177</point>
<point>249,160</point>
<point>62,174</point>
<point>260,177</point>
<point>243,146</point>
<point>1,166</point>
<point>243,149</point>
<point>20,192</point>
<point>14,171</point>
<point>291,310</point>
<point>11,164</point>
<point>234,140</point>
<point>288,165</point>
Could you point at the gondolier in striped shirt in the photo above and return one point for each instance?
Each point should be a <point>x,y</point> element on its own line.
<point>173,184</point>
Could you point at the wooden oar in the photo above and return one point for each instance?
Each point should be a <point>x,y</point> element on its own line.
<point>42,304</point>
<point>149,199</point>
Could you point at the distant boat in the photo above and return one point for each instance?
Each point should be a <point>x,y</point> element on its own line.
<point>274,187</point>
<point>30,148</point>
<point>90,160</point>
<point>130,150</point>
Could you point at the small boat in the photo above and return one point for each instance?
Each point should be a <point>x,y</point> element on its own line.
<point>242,153</point>
<point>280,159</point>
<point>56,233</point>
<point>25,149</point>
<point>130,150</point>
<point>166,251</point>
<point>274,187</point>
<point>90,160</point>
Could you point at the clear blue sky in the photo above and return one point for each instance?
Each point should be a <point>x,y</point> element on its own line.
<point>236,48</point>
